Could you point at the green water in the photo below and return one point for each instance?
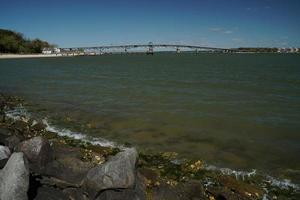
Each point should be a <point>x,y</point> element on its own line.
<point>233,110</point>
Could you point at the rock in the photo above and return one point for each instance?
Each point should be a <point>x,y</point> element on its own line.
<point>118,172</point>
<point>38,152</point>
<point>75,194</point>
<point>121,194</point>
<point>4,131</point>
<point>4,134</point>
<point>182,191</point>
<point>136,193</point>
<point>20,126</point>
<point>4,155</point>
<point>67,169</point>
<point>151,176</point>
<point>49,193</point>
<point>4,152</point>
<point>39,126</point>
<point>14,178</point>
<point>66,172</point>
<point>3,162</point>
<point>234,189</point>
<point>12,141</point>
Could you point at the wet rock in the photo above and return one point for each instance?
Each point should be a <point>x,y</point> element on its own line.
<point>14,178</point>
<point>50,193</point>
<point>118,172</point>
<point>183,191</point>
<point>20,126</point>
<point>75,194</point>
<point>38,127</point>
<point>12,141</point>
<point>138,192</point>
<point>67,168</point>
<point>4,133</point>
<point>151,177</point>
<point>230,188</point>
<point>62,151</point>
<point>119,194</point>
<point>66,172</point>
<point>37,151</point>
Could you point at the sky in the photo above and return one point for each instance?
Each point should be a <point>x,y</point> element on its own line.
<point>213,23</point>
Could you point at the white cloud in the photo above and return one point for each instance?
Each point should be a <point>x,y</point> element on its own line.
<point>221,30</point>
<point>228,32</point>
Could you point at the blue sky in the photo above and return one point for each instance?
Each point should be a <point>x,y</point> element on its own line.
<point>217,23</point>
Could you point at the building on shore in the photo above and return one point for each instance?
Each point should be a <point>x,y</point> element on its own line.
<point>51,50</point>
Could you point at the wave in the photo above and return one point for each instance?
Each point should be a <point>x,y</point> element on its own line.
<point>285,184</point>
<point>226,171</point>
<point>20,113</point>
<point>79,136</point>
<point>282,184</point>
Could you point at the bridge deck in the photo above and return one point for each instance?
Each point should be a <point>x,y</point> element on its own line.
<point>145,46</point>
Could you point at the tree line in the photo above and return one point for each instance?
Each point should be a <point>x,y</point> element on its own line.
<point>14,42</point>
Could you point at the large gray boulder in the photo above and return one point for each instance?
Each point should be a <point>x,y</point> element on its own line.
<point>50,193</point>
<point>119,172</point>
<point>38,152</point>
<point>12,142</point>
<point>67,169</point>
<point>66,172</point>
<point>138,192</point>
<point>14,178</point>
<point>4,152</point>
<point>4,155</point>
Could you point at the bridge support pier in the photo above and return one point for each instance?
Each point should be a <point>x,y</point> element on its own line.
<point>150,50</point>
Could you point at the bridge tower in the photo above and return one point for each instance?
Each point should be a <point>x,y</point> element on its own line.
<point>150,50</point>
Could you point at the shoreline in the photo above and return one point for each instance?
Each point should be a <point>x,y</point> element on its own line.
<point>161,173</point>
<point>13,56</point>
<point>10,56</point>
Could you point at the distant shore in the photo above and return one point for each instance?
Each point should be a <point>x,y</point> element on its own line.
<point>7,56</point>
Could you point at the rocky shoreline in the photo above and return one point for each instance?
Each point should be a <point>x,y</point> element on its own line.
<point>39,164</point>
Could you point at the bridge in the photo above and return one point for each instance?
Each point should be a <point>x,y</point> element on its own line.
<point>148,47</point>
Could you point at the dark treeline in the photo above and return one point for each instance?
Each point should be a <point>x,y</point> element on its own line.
<point>14,42</point>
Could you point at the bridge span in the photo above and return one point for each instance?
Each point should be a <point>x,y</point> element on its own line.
<point>149,48</point>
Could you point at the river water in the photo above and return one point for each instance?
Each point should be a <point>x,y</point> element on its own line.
<point>240,111</point>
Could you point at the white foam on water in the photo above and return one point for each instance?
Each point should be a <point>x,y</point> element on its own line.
<point>282,184</point>
<point>238,174</point>
<point>20,113</point>
<point>78,136</point>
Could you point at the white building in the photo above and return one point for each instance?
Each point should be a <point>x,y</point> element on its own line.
<point>46,51</point>
<point>56,50</point>
<point>51,50</point>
